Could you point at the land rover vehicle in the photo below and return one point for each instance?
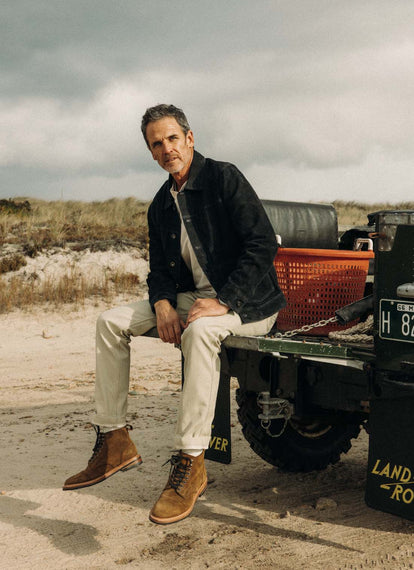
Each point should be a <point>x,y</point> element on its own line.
<point>302,397</point>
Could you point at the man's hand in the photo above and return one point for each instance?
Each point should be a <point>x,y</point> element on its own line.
<point>169,324</point>
<point>206,308</point>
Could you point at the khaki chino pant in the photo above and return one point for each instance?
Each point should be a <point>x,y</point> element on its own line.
<point>200,344</point>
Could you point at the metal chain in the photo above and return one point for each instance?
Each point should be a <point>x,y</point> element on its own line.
<point>305,328</point>
<point>266,427</point>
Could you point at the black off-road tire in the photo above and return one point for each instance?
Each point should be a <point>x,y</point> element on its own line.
<point>305,445</point>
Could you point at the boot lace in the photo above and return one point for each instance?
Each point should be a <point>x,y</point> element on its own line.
<point>179,471</point>
<point>100,438</point>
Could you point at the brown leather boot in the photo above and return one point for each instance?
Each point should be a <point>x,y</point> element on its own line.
<point>187,482</point>
<point>114,451</point>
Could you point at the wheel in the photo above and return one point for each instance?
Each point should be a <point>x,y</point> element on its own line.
<point>306,444</point>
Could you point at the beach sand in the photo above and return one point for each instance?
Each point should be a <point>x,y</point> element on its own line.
<point>252,515</point>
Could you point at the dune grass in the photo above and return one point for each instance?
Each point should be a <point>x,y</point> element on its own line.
<point>95,226</point>
<point>355,213</point>
<point>70,288</point>
<point>57,223</point>
<point>50,224</point>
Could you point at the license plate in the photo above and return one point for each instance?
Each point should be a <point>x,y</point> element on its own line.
<point>396,320</point>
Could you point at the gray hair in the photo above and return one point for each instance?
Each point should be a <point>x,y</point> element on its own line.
<point>160,112</point>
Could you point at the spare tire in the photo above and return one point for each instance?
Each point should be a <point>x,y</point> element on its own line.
<point>306,444</point>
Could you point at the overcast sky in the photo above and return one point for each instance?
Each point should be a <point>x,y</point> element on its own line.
<point>312,99</point>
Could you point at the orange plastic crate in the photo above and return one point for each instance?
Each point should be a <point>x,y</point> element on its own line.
<point>317,282</point>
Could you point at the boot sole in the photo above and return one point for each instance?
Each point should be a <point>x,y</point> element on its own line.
<point>183,515</point>
<point>130,464</point>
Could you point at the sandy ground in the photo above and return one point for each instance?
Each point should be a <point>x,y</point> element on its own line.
<point>252,515</point>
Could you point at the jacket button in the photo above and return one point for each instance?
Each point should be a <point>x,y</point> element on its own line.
<point>172,263</point>
<point>173,236</point>
<point>239,303</point>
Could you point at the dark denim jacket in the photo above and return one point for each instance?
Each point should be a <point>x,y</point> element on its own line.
<point>231,235</point>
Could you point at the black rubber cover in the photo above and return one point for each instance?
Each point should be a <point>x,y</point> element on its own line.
<point>355,310</point>
<point>303,225</point>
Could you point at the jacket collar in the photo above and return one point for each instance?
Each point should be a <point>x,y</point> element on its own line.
<point>196,165</point>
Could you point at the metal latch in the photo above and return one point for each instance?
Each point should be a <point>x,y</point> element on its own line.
<point>361,241</point>
<point>406,291</point>
<point>273,409</point>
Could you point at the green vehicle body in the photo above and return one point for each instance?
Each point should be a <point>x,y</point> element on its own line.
<point>302,399</point>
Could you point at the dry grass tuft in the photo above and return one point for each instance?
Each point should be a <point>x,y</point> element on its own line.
<point>70,288</point>
<point>12,262</point>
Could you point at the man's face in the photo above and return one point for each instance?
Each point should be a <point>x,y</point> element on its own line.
<point>169,146</point>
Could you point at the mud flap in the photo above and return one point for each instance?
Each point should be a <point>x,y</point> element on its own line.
<point>390,477</point>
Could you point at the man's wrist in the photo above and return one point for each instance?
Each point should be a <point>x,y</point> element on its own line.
<point>161,303</point>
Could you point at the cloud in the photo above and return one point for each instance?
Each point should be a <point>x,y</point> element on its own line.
<point>283,89</point>
<point>325,113</point>
<point>377,179</point>
<point>303,113</point>
<point>52,134</point>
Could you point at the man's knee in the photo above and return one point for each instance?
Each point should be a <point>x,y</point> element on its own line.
<point>200,330</point>
<point>107,321</point>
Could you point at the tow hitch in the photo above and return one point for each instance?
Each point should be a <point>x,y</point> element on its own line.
<point>273,409</point>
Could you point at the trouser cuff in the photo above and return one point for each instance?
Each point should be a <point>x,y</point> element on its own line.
<point>201,442</point>
<point>108,421</point>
